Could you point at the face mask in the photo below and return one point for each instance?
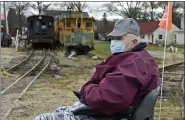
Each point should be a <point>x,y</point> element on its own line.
<point>117,46</point>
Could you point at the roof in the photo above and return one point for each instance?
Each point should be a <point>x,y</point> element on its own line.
<point>52,12</point>
<point>145,27</point>
<point>80,19</point>
<point>55,13</point>
<point>148,27</point>
<point>36,17</point>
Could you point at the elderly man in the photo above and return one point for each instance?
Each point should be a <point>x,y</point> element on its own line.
<point>119,81</point>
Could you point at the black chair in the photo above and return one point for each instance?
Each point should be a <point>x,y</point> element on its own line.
<point>144,111</point>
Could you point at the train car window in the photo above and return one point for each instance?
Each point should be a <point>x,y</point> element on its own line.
<point>43,26</point>
<point>37,24</point>
<point>68,25</point>
<point>37,28</point>
<point>31,24</point>
<point>43,23</point>
<point>79,24</point>
<point>49,24</point>
<point>88,25</point>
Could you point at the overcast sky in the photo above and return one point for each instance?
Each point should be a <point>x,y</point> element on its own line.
<point>91,10</point>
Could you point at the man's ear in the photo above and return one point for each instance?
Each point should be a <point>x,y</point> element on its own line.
<point>136,41</point>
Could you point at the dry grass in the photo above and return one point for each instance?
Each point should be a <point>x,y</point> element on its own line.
<point>6,75</point>
<point>170,59</point>
<point>169,110</point>
<point>49,93</point>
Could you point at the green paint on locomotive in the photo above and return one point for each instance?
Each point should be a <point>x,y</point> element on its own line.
<point>79,38</point>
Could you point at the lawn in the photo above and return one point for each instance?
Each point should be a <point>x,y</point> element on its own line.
<point>102,49</point>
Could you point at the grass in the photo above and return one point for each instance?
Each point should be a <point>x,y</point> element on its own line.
<point>168,110</point>
<point>82,60</point>
<point>5,75</point>
<point>49,93</point>
<point>102,49</point>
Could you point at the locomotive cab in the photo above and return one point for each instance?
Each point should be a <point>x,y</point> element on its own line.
<point>40,29</point>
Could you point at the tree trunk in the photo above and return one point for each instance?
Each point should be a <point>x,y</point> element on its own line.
<point>152,16</point>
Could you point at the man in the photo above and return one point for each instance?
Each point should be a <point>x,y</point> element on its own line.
<point>120,81</point>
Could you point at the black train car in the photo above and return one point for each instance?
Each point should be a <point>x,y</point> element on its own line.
<point>40,30</point>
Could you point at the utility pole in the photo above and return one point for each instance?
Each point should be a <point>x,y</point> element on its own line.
<point>6,22</point>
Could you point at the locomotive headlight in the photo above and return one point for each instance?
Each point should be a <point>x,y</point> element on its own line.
<point>40,17</point>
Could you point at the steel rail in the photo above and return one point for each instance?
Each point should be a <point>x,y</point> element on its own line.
<point>27,73</point>
<point>25,60</point>
<point>27,87</point>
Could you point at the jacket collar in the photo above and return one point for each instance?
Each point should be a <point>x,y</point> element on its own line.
<point>140,46</point>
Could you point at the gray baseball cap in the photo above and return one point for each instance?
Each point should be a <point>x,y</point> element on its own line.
<point>124,26</point>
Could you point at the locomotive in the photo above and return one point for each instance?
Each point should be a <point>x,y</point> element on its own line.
<point>73,33</point>
<point>40,30</point>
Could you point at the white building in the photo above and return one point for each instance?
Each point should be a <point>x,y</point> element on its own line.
<point>152,33</point>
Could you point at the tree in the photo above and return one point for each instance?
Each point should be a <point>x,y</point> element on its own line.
<point>40,6</point>
<point>74,6</point>
<point>176,15</point>
<point>20,8</point>
<point>12,18</point>
<point>105,21</point>
<point>126,9</point>
<point>79,6</point>
<point>151,6</point>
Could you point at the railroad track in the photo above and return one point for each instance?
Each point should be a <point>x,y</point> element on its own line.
<point>29,75</point>
<point>173,80</point>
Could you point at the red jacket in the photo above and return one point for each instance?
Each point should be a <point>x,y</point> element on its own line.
<point>121,81</point>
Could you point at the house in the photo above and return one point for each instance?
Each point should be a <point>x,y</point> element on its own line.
<point>150,32</point>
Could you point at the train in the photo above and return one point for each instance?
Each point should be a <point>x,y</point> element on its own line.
<point>73,33</point>
<point>40,30</point>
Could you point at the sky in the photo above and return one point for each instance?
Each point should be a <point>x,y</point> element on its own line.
<point>92,5</point>
<point>99,14</point>
<point>91,11</point>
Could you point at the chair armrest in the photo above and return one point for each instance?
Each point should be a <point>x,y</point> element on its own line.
<point>85,110</point>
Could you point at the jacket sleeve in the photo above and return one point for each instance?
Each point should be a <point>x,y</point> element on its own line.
<point>118,89</point>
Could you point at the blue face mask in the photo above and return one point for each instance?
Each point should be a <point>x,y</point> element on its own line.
<point>117,46</point>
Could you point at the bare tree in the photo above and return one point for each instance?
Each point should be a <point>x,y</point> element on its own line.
<point>105,21</point>
<point>80,6</point>
<point>151,6</point>
<point>20,8</point>
<point>40,6</point>
<point>176,15</point>
<point>126,9</point>
<point>73,6</point>
<point>12,18</point>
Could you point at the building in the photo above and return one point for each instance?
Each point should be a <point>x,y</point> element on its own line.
<point>152,33</point>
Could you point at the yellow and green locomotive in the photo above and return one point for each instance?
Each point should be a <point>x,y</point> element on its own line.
<point>75,33</point>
